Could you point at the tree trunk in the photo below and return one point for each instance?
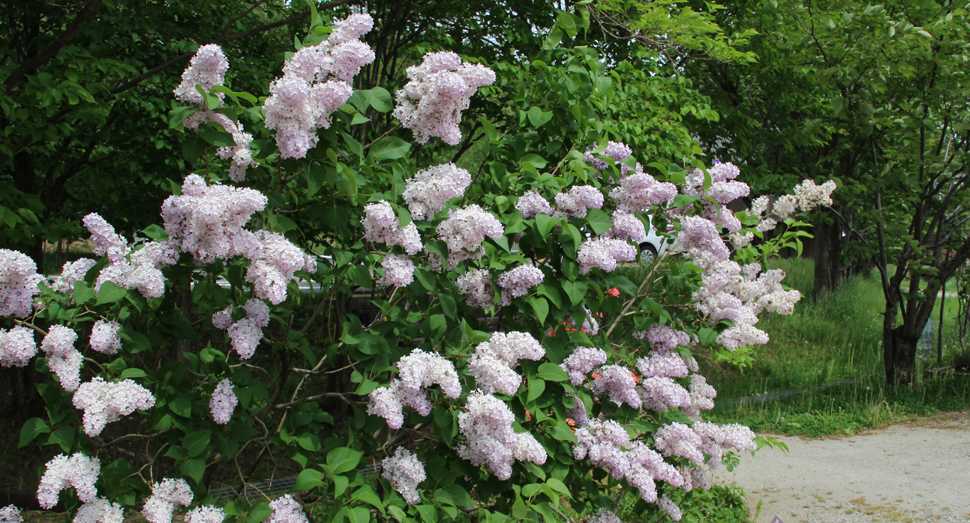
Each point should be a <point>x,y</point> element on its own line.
<point>899,355</point>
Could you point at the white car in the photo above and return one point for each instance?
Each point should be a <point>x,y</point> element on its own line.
<point>655,244</point>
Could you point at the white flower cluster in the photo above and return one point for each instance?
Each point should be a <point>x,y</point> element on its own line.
<point>398,270</point>
<point>578,201</point>
<point>382,226</point>
<point>430,189</point>
<point>581,361</point>
<point>18,283</point>
<point>77,471</point>
<point>207,69</point>
<point>807,197</point>
<point>166,497</point>
<point>476,285</point>
<point>286,510</point>
<point>10,514</point>
<point>640,191</point>
<point>100,511</point>
<point>518,281</point>
<point>315,83</point>
<point>626,226</point>
<point>618,151</point>
<point>17,346</point>
<point>276,266</point>
<point>246,333</point>
<point>438,90</point>
<point>418,371</point>
<point>62,358</point>
<point>71,273</point>
<point>223,402</point>
<point>205,514</point>
<point>490,440</point>
<point>134,270</point>
<point>240,153</point>
<point>619,384</point>
<point>405,473</point>
<point>491,363</point>
<point>104,402</point>
<point>465,230</point>
<point>532,203</point>
<point>105,338</point>
<point>604,253</point>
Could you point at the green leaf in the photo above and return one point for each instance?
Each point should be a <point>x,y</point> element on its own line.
<point>536,388</point>
<point>546,224</point>
<point>308,479</point>
<point>683,200</point>
<point>133,373</point>
<point>559,487</point>
<point>110,293</point>
<point>380,99</point>
<point>340,485</point>
<point>562,434</point>
<point>367,495</point>
<point>552,372</point>
<point>83,292</point>
<point>343,459</point>
<point>388,148</point>
<point>540,306</point>
<point>538,117</point>
<point>196,442</point>
<point>193,468</point>
<point>214,134</point>
<point>155,232</point>
<point>448,305</point>
<point>32,428</point>
<point>357,514</point>
<point>598,220</point>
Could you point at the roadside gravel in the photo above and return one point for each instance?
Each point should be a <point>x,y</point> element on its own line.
<point>910,472</point>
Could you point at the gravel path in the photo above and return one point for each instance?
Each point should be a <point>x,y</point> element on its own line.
<point>909,473</point>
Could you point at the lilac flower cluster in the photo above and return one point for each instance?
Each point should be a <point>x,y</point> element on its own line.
<point>604,516</point>
<point>134,270</point>
<point>18,283</point>
<point>438,90</point>
<point>223,402</point>
<point>286,510</point>
<point>491,363</point>
<point>62,358</point>
<point>532,203</point>
<point>205,514</point>
<point>663,338</point>
<point>640,191</point>
<point>166,497</point>
<point>626,226</point>
<point>100,511</point>
<point>619,384</point>
<point>316,81</point>
<point>701,395</point>
<point>10,514</point>
<point>208,221</point>
<point>661,392</point>
<point>811,196</point>
<point>17,346</point>
<point>381,226</point>
<point>104,402</point>
<point>276,265</point>
<point>490,440</point>
<point>77,471</point>
<point>582,361</point>
<point>207,69</point>
<point>398,270</point>
<point>246,333</point>
<point>465,230</point>
<point>699,236</point>
<point>577,201</point>
<point>418,371</point>
<point>430,189</point>
<point>517,282</point>
<point>405,473</point>
<point>604,253</point>
<point>476,285</point>
<point>71,273</point>
<point>105,338</point>
<point>807,197</point>
<point>618,151</point>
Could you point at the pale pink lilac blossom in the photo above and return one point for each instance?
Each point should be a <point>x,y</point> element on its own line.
<point>701,395</point>
<point>640,191</point>
<point>492,362</point>
<point>405,473</point>
<point>604,444</point>
<point>99,511</point>
<point>604,516</point>
<point>286,510</point>
<point>276,266</point>
<point>205,514</point>
<point>677,439</point>
<point>18,283</point>
<point>660,393</point>
<point>315,83</point>
<point>417,372</point>
<point>532,203</point>
<point>627,226</point>
<point>465,230</point>
<point>10,514</point>
<point>240,153</point>
<point>398,270</point>
<point>438,90</point>
<point>71,273</point>
<point>78,471</point>
<point>223,402</point>
<point>166,497</point>
<point>207,69</point>
<point>17,346</point>
<point>581,362</point>
<point>105,337</point>
<point>381,226</point>
<point>62,358</point>
<point>517,282</point>
<point>104,402</point>
<point>430,189</point>
<point>490,440</point>
<point>618,151</point>
<point>663,338</point>
<point>476,285</point>
<point>670,508</point>
<point>619,384</point>
<point>604,253</point>
<point>578,201</point>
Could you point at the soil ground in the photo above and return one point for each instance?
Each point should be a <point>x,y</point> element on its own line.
<point>910,472</point>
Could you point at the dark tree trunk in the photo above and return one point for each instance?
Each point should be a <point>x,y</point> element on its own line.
<point>828,262</point>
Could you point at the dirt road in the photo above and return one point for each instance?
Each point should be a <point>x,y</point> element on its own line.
<point>907,473</point>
